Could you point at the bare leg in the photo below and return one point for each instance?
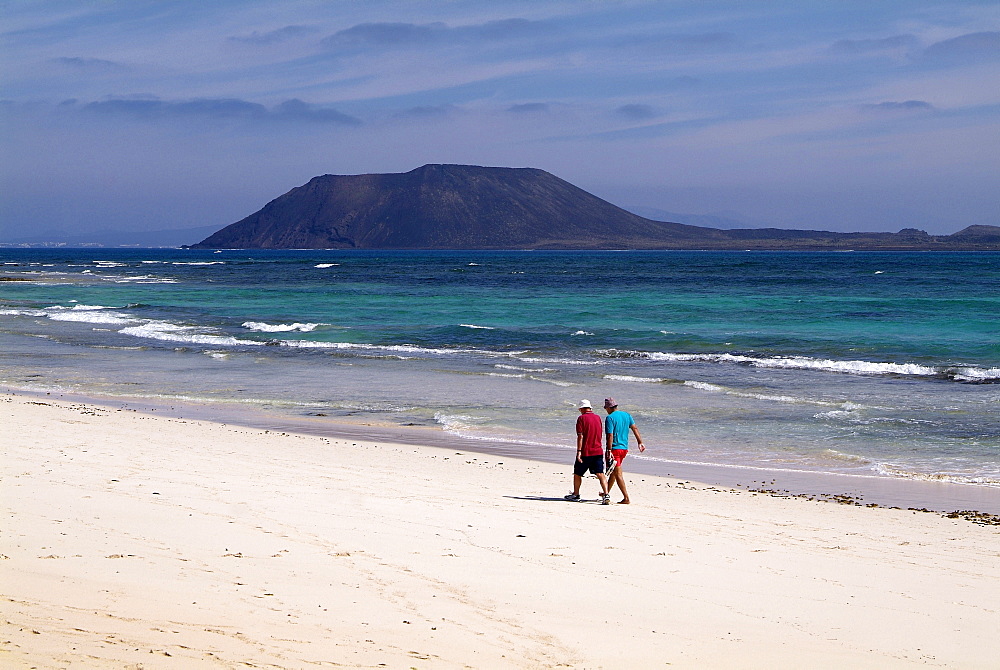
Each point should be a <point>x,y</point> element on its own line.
<point>577,479</point>
<point>619,478</point>
<point>604,484</point>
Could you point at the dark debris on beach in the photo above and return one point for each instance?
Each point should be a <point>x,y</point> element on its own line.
<point>975,516</point>
<point>982,518</point>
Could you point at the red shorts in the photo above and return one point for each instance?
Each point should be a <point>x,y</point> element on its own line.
<point>619,456</point>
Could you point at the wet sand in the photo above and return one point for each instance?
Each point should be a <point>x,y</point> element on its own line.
<point>937,496</point>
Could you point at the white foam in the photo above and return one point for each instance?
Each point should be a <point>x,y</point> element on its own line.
<point>372,406</point>
<point>80,308</point>
<point>841,456</point>
<point>456,423</point>
<point>849,367</point>
<point>785,362</point>
<point>475,327</point>
<point>836,414</point>
<point>502,366</point>
<point>262,327</point>
<point>890,470</point>
<point>582,332</point>
<point>323,266</point>
<point>705,386</point>
<point>554,382</point>
<point>562,361</point>
<point>465,426</point>
<point>402,348</point>
<point>781,398</point>
<point>767,397</point>
<point>139,279</point>
<point>92,316</point>
<point>976,374</point>
<point>170,332</point>
<point>630,378</point>
<point>198,263</point>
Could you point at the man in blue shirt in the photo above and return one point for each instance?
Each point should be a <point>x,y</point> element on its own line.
<point>616,427</point>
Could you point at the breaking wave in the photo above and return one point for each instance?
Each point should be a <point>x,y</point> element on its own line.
<point>262,327</point>
<point>504,366</point>
<point>869,368</point>
<point>170,332</point>
<point>890,470</point>
<point>768,397</point>
<point>631,378</point>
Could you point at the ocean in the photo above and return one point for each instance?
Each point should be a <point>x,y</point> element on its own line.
<point>882,364</point>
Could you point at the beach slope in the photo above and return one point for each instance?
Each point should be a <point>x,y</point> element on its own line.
<point>133,540</point>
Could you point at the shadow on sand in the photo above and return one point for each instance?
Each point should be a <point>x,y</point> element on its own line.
<point>596,501</point>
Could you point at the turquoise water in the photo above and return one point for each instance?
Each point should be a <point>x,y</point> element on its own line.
<point>874,363</point>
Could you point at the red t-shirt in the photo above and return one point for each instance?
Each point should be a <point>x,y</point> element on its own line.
<point>590,426</point>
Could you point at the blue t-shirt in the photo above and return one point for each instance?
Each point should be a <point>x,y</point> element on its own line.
<point>617,425</point>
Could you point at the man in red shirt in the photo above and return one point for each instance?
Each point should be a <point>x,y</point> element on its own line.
<point>589,452</point>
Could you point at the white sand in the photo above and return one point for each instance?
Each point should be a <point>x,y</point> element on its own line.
<point>135,541</point>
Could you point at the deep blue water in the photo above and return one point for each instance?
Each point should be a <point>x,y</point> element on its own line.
<point>881,363</point>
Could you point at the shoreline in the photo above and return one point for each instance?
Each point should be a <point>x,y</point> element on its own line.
<point>845,488</point>
<point>134,538</point>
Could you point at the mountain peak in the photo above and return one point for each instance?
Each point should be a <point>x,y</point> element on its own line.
<point>439,206</point>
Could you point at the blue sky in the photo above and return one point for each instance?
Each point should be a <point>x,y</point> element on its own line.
<point>839,115</point>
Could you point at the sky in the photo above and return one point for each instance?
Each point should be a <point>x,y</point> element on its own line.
<point>842,115</point>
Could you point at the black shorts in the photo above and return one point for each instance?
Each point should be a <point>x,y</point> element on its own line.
<point>593,463</point>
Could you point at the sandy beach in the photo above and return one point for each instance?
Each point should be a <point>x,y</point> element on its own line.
<point>133,540</point>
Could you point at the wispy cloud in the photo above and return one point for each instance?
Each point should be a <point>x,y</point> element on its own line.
<point>905,106</point>
<point>680,43</point>
<point>154,108</point>
<point>880,45</point>
<point>92,64</point>
<point>636,111</point>
<point>276,36</point>
<point>529,108</point>
<point>427,112</point>
<point>402,35</point>
<point>220,108</point>
<point>973,47</point>
<point>296,110</point>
